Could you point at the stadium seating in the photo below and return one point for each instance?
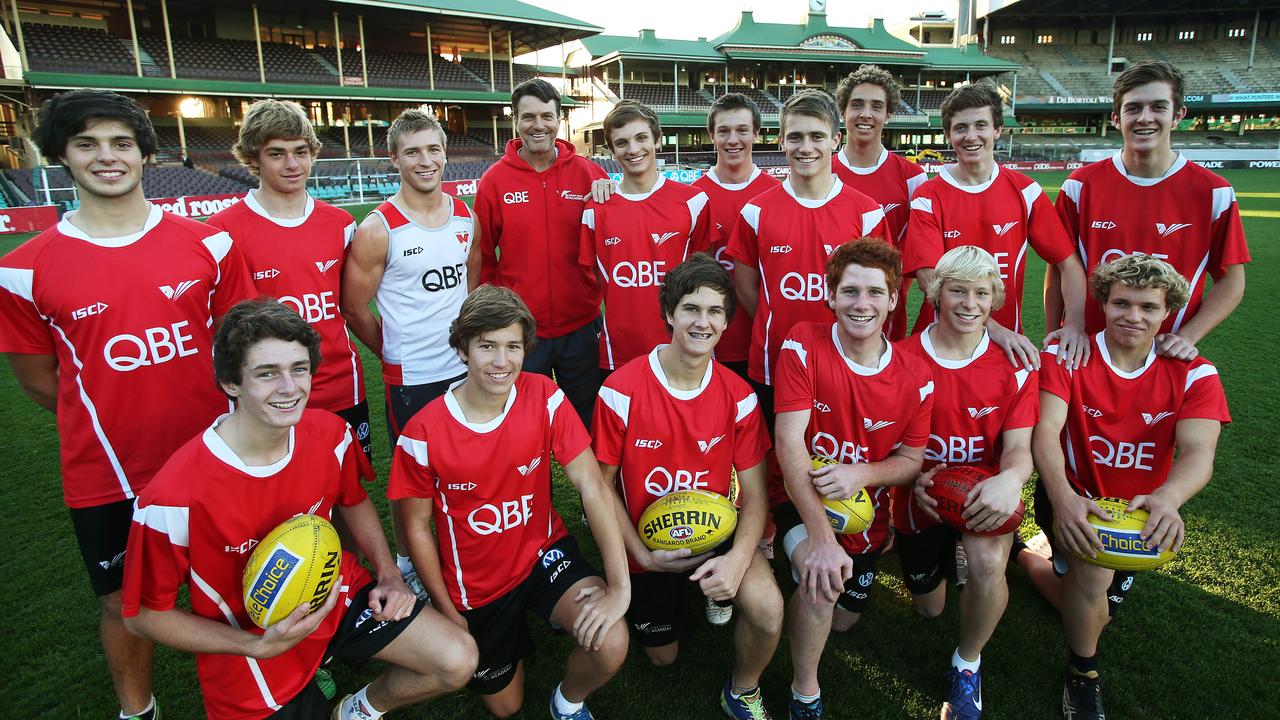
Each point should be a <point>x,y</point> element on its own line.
<point>157,182</point>
<point>59,48</point>
<point>663,95</point>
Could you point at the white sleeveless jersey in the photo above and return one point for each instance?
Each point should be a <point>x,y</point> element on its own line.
<point>422,290</point>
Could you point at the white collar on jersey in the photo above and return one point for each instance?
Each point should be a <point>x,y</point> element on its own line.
<point>927,343</point>
<point>455,409</point>
<point>66,227</point>
<point>885,357</point>
<point>1101,340</point>
<point>221,450</point>
<point>251,201</point>
<point>755,173</point>
<point>656,366</point>
<point>947,177</point>
<point>637,197</point>
<point>835,190</point>
<point>417,224</point>
<point>1118,160</point>
<point>884,155</point>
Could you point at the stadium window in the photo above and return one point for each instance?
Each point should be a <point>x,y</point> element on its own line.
<point>1007,39</point>
<point>1044,39</point>
<point>1146,36</point>
<point>1186,34</point>
<point>1235,32</point>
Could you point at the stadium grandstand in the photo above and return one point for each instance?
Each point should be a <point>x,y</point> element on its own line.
<point>355,64</point>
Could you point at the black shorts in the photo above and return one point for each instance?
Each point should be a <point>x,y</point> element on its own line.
<point>928,557</point>
<point>661,612</point>
<point>357,416</point>
<point>404,401</point>
<point>764,394</point>
<point>358,639</point>
<point>573,360</point>
<point>857,589</point>
<point>499,627</point>
<point>103,534</point>
<point>1121,584</point>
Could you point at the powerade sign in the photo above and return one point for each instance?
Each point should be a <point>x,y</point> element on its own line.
<point>271,579</point>
<point>683,176</point>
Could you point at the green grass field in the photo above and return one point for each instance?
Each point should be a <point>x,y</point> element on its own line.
<point>1198,638</point>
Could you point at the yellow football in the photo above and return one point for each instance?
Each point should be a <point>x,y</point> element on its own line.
<point>1122,545</point>
<point>696,519</point>
<point>295,563</point>
<point>847,517</point>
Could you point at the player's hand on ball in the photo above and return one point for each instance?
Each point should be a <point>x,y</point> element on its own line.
<point>1073,346</point>
<point>1165,528</point>
<point>679,561</point>
<point>290,631</point>
<point>1071,524</point>
<point>391,599</point>
<point>840,481</point>
<point>1172,345</point>
<point>991,502</point>
<point>921,491</point>
<point>601,608</point>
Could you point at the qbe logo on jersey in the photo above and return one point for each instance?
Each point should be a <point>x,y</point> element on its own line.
<point>266,587</point>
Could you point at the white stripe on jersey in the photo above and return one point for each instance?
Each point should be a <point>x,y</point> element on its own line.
<point>914,183</point>
<point>617,402</point>
<point>1197,373</point>
<point>417,449</point>
<point>922,204</point>
<point>696,203</point>
<point>18,281</point>
<point>589,218</point>
<point>1030,194</point>
<point>92,409</point>
<point>453,544</point>
<point>553,404</point>
<point>1195,282</point>
<point>172,521</point>
<point>348,234</point>
<point>870,219</point>
<point>1017,272</point>
<point>768,317</point>
<point>1223,197</point>
<point>1021,376</point>
<point>926,391</point>
<point>1071,188</point>
<point>230,617</point>
<point>219,245</point>
<point>341,450</point>
<point>799,350</point>
<point>745,406</point>
<point>751,213</point>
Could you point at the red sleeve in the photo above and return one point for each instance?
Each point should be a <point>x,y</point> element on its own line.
<point>489,216</point>
<point>922,247</point>
<point>1204,397</point>
<point>587,237</point>
<point>917,434</point>
<point>156,560</point>
<point>234,282</point>
<point>880,229</point>
<point>411,473</point>
<point>700,239</point>
<point>1227,245</point>
<point>750,439</point>
<point>1024,408</point>
<point>1047,234</point>
<point>355,468</point>
<point>21,328</point>
<point>743,241</point>
<point>608,431</point>
<point>568,436</point>
<point>793,387</point>
<point>1054,378</point>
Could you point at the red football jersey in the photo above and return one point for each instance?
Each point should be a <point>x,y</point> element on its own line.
<point>857,414</point>
<point>892,182</point>
<point>663,439</point>
<point>633,241</point>
<point>788,239</point>
<point>298,261</point>
<point>129,322</point>
<point>1001,216</point>
<point>975,401</point>
<point>490,483</point>
<point>1120,430</point>
<point>726,201</point>
<point>197,524</point>
<point>1188,218</point>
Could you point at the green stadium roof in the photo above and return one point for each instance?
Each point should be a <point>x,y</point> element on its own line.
<point>648,46</point>
<point>969,58</point>
<point>499,10</point>
<point>748,32</point>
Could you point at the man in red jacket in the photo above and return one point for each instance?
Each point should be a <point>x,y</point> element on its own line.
<point>536,191</point>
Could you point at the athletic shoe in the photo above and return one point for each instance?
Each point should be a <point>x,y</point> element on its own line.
<point>807,711</point>
<point>337,709</point>
<point>415,585</point>
<point>1082,697</point>
<point>582,714</point>
<point>962,565</point>
<point>744,707</point>
<point>324,681</point>
<point>152,714</point>
<point>718,614</point>
<point>1039,544</point>
<point>964,698</point>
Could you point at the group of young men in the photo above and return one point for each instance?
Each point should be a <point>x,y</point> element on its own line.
<point>717,365</point>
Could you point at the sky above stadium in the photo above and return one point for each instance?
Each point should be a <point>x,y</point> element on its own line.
<point>691,19</point>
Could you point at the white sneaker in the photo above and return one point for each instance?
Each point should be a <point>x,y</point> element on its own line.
<point>718,614</point>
